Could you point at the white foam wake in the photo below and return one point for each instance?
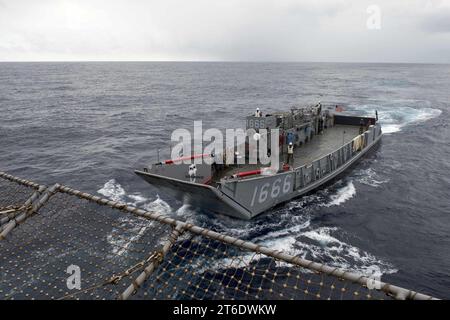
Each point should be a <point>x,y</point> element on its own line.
<point>395,117</point>
<point>112,190</point>
<point>297,237</point>
<point>115,192</point>
<point>369,177</point>
<point>342,195</point>
<point>325,246</point>
<point>321,244</point>
<point>129,230</point>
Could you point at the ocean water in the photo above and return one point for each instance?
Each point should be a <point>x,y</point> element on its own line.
<point>88,125</point>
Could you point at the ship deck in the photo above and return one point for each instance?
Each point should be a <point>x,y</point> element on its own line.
<point>320,145</point>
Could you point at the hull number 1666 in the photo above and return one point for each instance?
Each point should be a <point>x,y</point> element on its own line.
<point>272,190</point>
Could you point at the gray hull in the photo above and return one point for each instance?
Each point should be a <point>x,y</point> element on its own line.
<point>248,198</point>
<point>198,195</point>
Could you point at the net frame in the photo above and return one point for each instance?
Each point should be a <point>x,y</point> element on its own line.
<point>157,264</point>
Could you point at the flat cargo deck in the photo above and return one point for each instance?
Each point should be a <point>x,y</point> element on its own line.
<point>320,145</point>
<point>332,139</point>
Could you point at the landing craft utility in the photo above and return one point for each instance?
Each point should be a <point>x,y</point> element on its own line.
<point>315,144</point>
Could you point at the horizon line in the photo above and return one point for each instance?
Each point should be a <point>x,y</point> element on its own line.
<point>221,61</point>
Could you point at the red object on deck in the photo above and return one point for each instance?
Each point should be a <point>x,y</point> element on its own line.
<point>207,181</point>
<point>246,173</point>
<point>286,167</point>
<point>281,139</point>
<point>171,161</point>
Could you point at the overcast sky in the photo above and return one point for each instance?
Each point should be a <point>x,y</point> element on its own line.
<point>230,30</point>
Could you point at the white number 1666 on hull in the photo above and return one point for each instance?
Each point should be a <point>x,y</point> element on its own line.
<point>272,190</point>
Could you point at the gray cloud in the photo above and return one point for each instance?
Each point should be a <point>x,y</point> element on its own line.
<point>275,30</point>
<point>437,22</point>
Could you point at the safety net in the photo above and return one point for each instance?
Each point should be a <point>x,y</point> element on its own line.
<point>60,243</point>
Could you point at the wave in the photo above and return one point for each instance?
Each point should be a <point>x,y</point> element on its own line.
<point>298,236</point>
<point>322,244</point>
<point>342,195</point>
<point>113,191</point>
<point>369,177</point>
<point>159,206</point>
<point>394,117</point>
<point>129,230</point>
<point>288,229</point>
